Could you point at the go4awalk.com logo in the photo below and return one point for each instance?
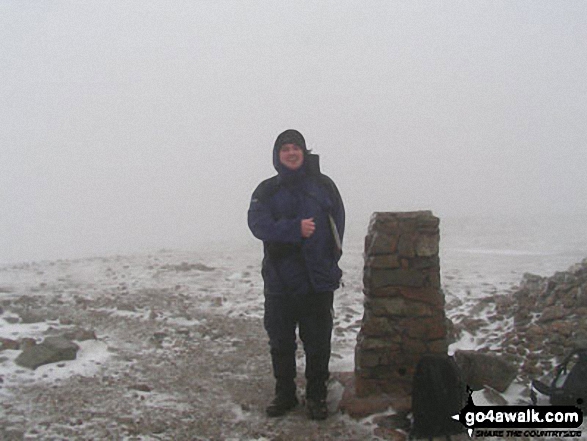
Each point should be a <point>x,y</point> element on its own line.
<point>521,421</point>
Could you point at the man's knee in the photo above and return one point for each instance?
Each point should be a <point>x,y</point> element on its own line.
<point>282,348</point>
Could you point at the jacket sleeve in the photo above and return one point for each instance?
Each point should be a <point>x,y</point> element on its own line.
<point>265,227</point>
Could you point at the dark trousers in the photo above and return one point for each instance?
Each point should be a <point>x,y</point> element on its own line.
<point>312,313</point>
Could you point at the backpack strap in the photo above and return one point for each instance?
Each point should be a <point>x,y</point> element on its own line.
<point>330,188</point>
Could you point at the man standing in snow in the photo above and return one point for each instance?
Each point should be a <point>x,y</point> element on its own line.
<point>299,216</point>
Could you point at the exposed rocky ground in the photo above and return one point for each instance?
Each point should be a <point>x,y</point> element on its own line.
<point>536,324</point>
<point>187,356</point>
<point>171,347</point>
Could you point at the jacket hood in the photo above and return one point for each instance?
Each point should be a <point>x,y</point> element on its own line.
<point>288,137</point>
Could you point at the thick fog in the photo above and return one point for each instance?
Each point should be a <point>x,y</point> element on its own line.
<point>138,125</point>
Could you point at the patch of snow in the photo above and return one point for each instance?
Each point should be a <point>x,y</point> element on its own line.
<point>90,359</point>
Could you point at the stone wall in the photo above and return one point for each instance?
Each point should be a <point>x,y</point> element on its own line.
<point>404,306</point>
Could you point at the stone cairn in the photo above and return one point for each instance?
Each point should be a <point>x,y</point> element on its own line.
<point>404,314</point>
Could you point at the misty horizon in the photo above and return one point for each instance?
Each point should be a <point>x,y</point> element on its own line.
<point>137,126</point>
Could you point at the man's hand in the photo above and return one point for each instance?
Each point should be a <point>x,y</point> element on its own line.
<point>308,227</point>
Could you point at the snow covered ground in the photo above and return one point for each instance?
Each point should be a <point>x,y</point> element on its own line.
<point>181,353</point>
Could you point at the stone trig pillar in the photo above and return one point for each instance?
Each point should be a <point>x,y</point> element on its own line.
<point>404,306</point>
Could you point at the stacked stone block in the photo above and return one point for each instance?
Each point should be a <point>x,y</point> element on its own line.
<point>404,306</point>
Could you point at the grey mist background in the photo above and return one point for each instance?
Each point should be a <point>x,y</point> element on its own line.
<point>137,125</point>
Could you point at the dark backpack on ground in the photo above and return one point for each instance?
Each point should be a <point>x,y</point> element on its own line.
<point>573,391</point>
<point>438,393</point>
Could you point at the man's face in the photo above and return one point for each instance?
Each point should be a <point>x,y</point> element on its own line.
<point>291,156</point>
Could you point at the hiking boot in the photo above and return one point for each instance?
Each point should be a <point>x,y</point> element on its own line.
<point>280,405</point>
<point>316,409</point>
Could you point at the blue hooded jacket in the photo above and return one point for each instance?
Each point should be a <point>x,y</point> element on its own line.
<point>294,265</point>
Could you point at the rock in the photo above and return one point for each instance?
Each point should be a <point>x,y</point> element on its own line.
<point>454,303</point>
<point>398,307</point>
<point>126,307</point>
<point>531,369</point>
<point>481,370</point>
<point>494,397</point>
<point>473,324</point>
<point>80,334</point>
<point>376,326</point>
<point>184,267</point>
<point>141,387</point>
<point>160,336</point>
<point>202,267</point>
<point>483,304</point>
<point>549,318</point>
<point>406,245</point>
<point>563,328</point>
<point>392,427</point>
<point>51,350</point>
<point>579,340</point>
<point>8,344</point>
<point>453,332</point>
<point>531,281</point>
<point>553,313</point>
<point>357,407</point>
<point>382,261</point>
<point>377,278</point>
<point>378,243</point>
<point>427,245</point>
<point>390,434</point>
<point>32,317</point>
<point>10,433</point>
<point>25,343</point>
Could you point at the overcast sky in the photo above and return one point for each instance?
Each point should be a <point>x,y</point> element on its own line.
<point>140,124</point>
